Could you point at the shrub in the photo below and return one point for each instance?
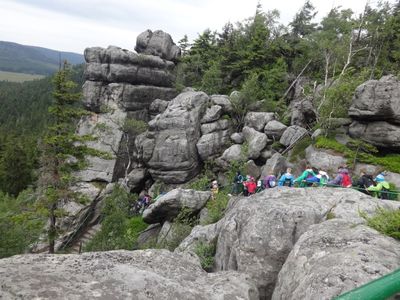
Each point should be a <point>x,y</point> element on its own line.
<point>118,229</point>
<point>206,253</point>
<point>299,150</point>
<point>385,221</point>
<point>216,207</point>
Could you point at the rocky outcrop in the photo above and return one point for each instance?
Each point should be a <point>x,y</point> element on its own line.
<point>303,113</point>
<point>169,147</point>
<point>237,138</point>
<point>377,100</point>
<point>275,165</point>
<point>257,234</point>
<point>376,112</point>
<point>158,43</point>
<point>274,129</point>
<point>156,274</point>
<point>325,160</point>
<point>258,120</point>
<point>211,145</point>
<point>212,114</point>
<point>335,257</point>
<point>224,102</point>
<point>379,133</point>
<point>292,134</point>
<point>256,141</point>
<point>168,206</point>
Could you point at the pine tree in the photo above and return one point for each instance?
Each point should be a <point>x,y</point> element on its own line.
<point>63,151</point>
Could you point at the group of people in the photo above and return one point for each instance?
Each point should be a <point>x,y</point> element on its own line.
<point>377,187</point>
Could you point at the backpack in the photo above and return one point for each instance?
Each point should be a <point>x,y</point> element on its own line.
<point>384,194</point>
<point>346,180</point>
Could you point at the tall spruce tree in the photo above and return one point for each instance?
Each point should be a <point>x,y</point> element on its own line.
<point>63,150</point>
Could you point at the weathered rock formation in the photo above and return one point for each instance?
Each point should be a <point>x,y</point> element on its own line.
<point>149,274</point>
<point>376,112</point>
<point>257,234</point>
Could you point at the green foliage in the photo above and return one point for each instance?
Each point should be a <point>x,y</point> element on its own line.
<point>216,207</point>
<point>330,215</point>
<point>358,151</point>
<point>134,127</point>
<point>20,223</point>
<point>385,221</point>
<point>206,253</point>
<point>118,229</point>
<point>18,77</point>
<point>299,150</point>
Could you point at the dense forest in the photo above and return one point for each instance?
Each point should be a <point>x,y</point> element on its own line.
<point>259,57</point>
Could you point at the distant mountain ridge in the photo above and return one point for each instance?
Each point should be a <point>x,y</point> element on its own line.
<point>33,60</point>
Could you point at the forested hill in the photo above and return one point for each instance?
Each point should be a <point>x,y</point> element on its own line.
<point>33,60</point>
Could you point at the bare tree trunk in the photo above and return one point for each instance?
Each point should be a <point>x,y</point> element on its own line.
<point>52,227</point>
<point>297,78</point>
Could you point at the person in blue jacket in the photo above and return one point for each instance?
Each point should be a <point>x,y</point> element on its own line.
<point>287,179</point>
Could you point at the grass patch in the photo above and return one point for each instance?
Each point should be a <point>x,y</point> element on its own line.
<point>18,77</point>
<point>385,221</point>
<point>216,208</point>
<point>299,150</point>
<point>390,162</point>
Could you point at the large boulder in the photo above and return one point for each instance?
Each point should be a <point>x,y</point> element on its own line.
<point>256,141</point>
<point>223,101</point>
<point>303,113</point>
<point>237,138</point>
<point>258,120</point>
<point>219,125</point>
<point>274,166</point>
<point>379,133</point>
<point>158,106</point>
<point>377,100</point>
<point>168,206</point>
<point>147,274</point>
<point>335,257</point>
<point>274,129</point>
<point>325,160</point>
<point>212,144</point>
<point>292,134</point>
<point>169,147</point>
<point>212,114</point>
<point>158,43</point>
<point>257,234</point>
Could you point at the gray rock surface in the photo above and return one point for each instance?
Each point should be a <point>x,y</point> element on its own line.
<point>274,129</point>
<point>258,120</point>
<point>377,100</point>
<point>168,206</point>
<point>158,43</point>
<point>213,144</point>
<point>233,153</point>
<point>335,257</point>
<point>237,138</point>
<point>149,236</point>
<point>169,147</point>
<point>219,125</point>
<point>275,165</point>
<point>158,106</point>
<point>96,95</point>
<point>250,168</point>
<point>303,113</point>
<point>379,133</point>
<point>223,101</point>
<point>212,114</point>
<point>257,234</point>
<point>317,133</point>
<point>136,179</point>
<point>292,134</point>
<point>147,274</point>
<point>256,141</point>
<point>325,160</point>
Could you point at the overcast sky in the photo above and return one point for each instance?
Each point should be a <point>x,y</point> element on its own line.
<point>73,25</point>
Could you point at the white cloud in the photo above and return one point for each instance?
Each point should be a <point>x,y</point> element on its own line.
<point>74,25</point>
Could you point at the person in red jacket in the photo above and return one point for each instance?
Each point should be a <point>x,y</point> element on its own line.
<point>251,186</point>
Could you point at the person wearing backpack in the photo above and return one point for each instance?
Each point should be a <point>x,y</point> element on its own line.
<point>364,182</point>
<point>269,182</point>
<point>238,183</point>
<point>308,178</point>
<point>342,179</point>
<point>251,186</point>
<point>287,179</point>
<point>382,188</point>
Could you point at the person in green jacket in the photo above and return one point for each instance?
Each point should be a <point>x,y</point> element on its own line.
<point>307,178</point>
<point>381,189</point>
